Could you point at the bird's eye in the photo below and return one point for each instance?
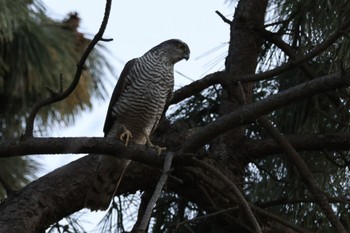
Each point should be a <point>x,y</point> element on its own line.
<point>181,46</point>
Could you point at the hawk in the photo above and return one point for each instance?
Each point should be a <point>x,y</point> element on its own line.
<point>144,87</point>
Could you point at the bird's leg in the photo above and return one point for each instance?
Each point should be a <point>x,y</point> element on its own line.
<point>157,148</point>
<point>126,135</point>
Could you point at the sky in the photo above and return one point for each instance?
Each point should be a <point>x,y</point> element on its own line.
<point>136,26</point>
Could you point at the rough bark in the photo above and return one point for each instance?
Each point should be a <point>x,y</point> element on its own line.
<point>244,47</point>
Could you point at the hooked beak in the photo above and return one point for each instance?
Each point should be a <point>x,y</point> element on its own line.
<point>187,55</point>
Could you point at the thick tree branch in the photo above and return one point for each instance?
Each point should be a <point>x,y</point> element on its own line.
<point>305,172</point>
<point>83,145</point>
<point>35,207</point>
<point>250,112</point>
<point>55,97</point>
<point>253,149</point>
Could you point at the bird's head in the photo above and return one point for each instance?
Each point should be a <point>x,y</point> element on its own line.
<point>174,49</point>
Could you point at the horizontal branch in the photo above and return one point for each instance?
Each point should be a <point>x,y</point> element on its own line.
<point>79,145</point>
<point>256,149</point>
<point>250,112</point>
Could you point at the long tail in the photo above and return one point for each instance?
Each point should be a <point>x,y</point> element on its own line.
<point>109,174</point>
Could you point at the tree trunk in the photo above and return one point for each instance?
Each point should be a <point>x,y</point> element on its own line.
<point>244,48</point>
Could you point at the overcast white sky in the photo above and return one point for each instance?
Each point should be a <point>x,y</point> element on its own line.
<point>136,26</point>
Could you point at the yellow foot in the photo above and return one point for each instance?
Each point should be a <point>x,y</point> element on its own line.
<point>125,136</point>
<point>157,148</point>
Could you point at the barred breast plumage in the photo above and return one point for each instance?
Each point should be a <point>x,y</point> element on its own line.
<point>137,104</point>
<point>146,92</point>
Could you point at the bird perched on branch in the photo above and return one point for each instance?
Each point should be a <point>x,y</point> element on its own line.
<point>144,88</point>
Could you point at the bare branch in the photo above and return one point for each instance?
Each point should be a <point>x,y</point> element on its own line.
<point>307,175</point>
<point>80,67</point>
<point>157,192</point>
<point>145,197</point>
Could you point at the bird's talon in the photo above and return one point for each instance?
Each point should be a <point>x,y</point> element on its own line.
<point>159,149</point>
<point>126,135</point>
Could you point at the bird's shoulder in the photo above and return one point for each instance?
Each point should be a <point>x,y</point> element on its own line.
<point>118,90</point>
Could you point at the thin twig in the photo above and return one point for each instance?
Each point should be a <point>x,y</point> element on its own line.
<point>307,175</point>
<point>226,20</point>
<point>157,192</point>
<point>80,67</point>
